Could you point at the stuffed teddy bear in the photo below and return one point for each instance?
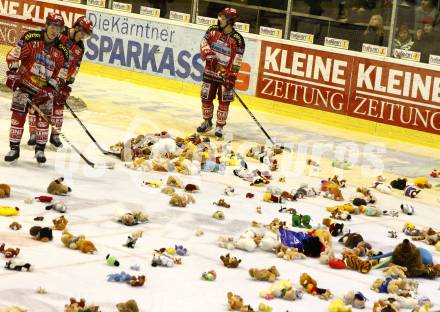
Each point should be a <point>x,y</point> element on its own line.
<point>56,187</point>
<point>8,211</point>
<point>209,276</point>
<point>382,187</point>
<point>407,255</point>
<point>192,188</point>
<point>226,242</point>
<point>288,253</point>
<point>69,240</point>
<point>60,223</point>
<point>168,190</point>
<point>18,266</point>
<point>373,211</point>
<point>162,259</point>
<point>57,206</point>
<point>324,237</point>
<point>422,183</point>
<point>85,246</point>
<point>356,300</point>
<point>310,285</point>
<point>230,262</point>
<point>281,289</point>
<point>5,190</point>
<point>356,263</point>
<point>15,226</point>
<point>218,215</point>
<point>79,306</point>
<point>131,218</point>
<point>411,191</point>
<point>137,281</point>
<point>222,203</point>
<point>128,306</point>
<point>181,200</point>
<point>248,240</point>
<point>9,252</point>
<point>235,302</point>
<point>269,274</point>
<point>43,234</point>
<point>386,306</point>
<point>399,183</point>
<point>394,271</point>
<point>351,240</point>
<point>338,305</point>
<point>270,241</point>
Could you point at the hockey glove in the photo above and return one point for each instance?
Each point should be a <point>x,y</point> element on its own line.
<point>63,94</point>
<point>211,62</point>
<point>229,80</point>
<point>44,95</point>
<point>13,79</point>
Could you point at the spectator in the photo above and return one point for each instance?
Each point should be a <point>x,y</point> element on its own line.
<point>315,7</point>
<point>403,40</point>
<point>426,8</point>
<point>374,34</point>
<point>425,39</point>
<point>360,6</point>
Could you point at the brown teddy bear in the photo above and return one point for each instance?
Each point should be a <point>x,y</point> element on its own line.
<point>407,255</point>
<point>310,285</point>
<point>43,234</point>
<point>168,190</point>
<point>270,274</point>
<point>60,223</point>
<point>235,302</point>
<point>174,182</point>
<point>230,262</point>
<point>129,306</point>
<point>181,200</point>
<point>56,187</point>
<point>394,271</point>
<point>5,190</point>
<point>289,253</point>
<point>86,246</point>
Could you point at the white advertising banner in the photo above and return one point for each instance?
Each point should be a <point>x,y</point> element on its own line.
<point>161,49</point>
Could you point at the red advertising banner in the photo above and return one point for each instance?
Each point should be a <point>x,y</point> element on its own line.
<point>38,10</point>
<point>383,92</point>
<point>304,77</point>
<point>395,94</point>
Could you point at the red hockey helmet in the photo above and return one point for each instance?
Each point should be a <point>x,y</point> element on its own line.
<point>84,24</point>
<point>55,19</point>
<point>231,15</point>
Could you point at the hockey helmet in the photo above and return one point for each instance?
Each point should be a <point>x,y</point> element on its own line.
<point>84,24</point>
<point>54,19</point>
<point>231,15</point>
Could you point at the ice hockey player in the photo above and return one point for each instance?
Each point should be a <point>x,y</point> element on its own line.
<point>72,38</point>
<point>222,48</point>
<point>34,64</point>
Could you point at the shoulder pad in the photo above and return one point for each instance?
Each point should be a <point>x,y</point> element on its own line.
<point>238,37</point>
<point>33,35</point>
<point>214,27</point>
<point>63,49</point>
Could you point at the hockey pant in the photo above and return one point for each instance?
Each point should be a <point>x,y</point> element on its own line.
<point>20,107</point>
<point>57,119</point>
<point>209,91</point>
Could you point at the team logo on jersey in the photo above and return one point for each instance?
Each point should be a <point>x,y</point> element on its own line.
<point>14,122</point>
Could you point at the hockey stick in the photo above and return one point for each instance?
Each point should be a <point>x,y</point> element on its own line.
<point>90,163</point>
<point>89,134</point>
<point>256,121</point>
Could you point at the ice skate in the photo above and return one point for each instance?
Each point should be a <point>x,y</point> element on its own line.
<point>39,154</point>
<point>55,141</point>
<point>32,140</point>
<point>12,156</point>
<point>219,132</point>
<point>205,126</point>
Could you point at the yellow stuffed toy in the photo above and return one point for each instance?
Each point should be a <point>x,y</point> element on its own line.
<point>9,211</point>
<point>437,246</point>
<point>337,305</point>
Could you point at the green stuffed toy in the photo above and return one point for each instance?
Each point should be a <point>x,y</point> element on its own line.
<point>111,260</point>
<point>302,221</point>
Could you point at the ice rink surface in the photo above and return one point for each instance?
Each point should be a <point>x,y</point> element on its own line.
<point>119,110</point>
